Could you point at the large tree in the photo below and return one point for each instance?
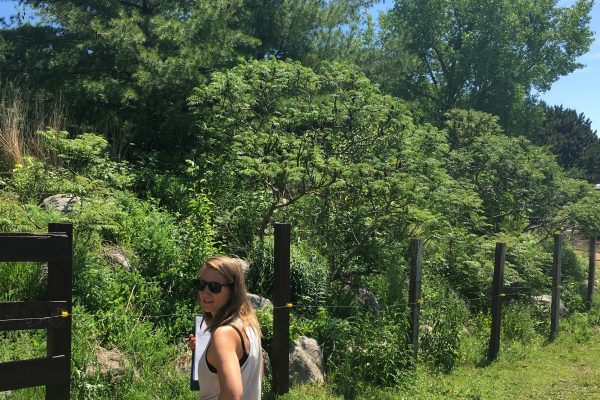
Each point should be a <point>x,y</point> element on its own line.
<point>327,151</point>
<point>570,137</point>
<point>124,68</point>
<point>487,55</point>
<point>515,179</point>
<point>305,30</point>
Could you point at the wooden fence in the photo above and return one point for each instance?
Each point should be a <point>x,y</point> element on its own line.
<point>54,315</point>
<point>281,299</point>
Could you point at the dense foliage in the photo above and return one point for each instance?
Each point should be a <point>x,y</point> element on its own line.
<point>213,120</point>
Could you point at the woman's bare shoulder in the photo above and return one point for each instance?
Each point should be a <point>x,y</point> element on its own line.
<point>224,334</point>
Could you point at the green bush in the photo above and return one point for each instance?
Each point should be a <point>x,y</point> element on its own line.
<point>443,315</point>
<point>22,282</point>
<point>365,350</point>
<point>526,267</point>
<point>573,267</point>
<point>464,261</point>
<point>518,323</point>
<point>475,340</point>
<point>578,325</point>
<point>308,273</point>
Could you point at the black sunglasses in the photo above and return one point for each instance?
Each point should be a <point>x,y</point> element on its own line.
<point>214,287</point>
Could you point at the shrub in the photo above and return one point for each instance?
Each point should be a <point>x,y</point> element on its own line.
<point>308,273</point>
<point>474,343</point>
<point>365,350</point>
<point>518,323</point>
<point>526,268</point>
<point>572,267</point>
<point>445,314</point>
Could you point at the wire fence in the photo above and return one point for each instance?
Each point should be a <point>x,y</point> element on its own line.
<point>282,305</point>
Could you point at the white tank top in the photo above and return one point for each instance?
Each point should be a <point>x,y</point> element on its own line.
<point>251,371</point>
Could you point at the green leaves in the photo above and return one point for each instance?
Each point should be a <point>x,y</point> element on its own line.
<point>327,150</point>
<point>487,55</point>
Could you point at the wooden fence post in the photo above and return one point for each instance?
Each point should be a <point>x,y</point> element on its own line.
<point>556,282</point>
<point>281,313</point>
<point>60,283</point>
<point>414,292</point>
<point>497,300</point>
<point>591,273</point>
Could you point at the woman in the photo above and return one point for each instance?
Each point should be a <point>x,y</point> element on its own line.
<point>231,366</point>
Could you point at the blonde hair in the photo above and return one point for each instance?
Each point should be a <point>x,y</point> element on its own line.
<point>238,306</point>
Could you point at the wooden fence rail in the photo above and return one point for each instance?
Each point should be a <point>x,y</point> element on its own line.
<point>54,315</point>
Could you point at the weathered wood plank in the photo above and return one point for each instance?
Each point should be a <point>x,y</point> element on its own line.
<point>33,247</point>
<point>36,372</point>
<point>28,314</point>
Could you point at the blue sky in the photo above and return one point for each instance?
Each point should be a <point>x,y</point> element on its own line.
<point>579,90</point>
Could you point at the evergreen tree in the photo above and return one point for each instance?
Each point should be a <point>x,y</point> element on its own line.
<point>570,137</point>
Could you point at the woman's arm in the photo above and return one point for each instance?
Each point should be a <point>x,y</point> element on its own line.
<point>225,343</point>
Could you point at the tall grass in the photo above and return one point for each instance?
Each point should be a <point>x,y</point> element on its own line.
<point>21,116</point>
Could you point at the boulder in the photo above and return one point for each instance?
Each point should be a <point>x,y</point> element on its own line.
<point>545,302</point>
<point>62,202</point>
<point>258,302</point>
<point>116,256</point>
<point>364,297</point>
<point>267,371</point>
<point>109,362</point>
<point>306,362</point>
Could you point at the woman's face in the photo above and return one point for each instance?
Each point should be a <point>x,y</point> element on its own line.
<point>214,302</point>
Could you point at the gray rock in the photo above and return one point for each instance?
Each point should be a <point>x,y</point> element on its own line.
<point>258,302</point>
<point>267,371</point>
<point>545,302</point>
<point>62,202</point>
<point>306,362</point>
<point>116,256</point>
<point>109,362</point>
<point>364,297</point>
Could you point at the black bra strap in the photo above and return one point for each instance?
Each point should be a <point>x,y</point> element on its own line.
<point>212,368</point>
<point>245,353</point>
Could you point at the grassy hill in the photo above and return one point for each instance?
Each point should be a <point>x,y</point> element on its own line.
<point>568,368</point>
